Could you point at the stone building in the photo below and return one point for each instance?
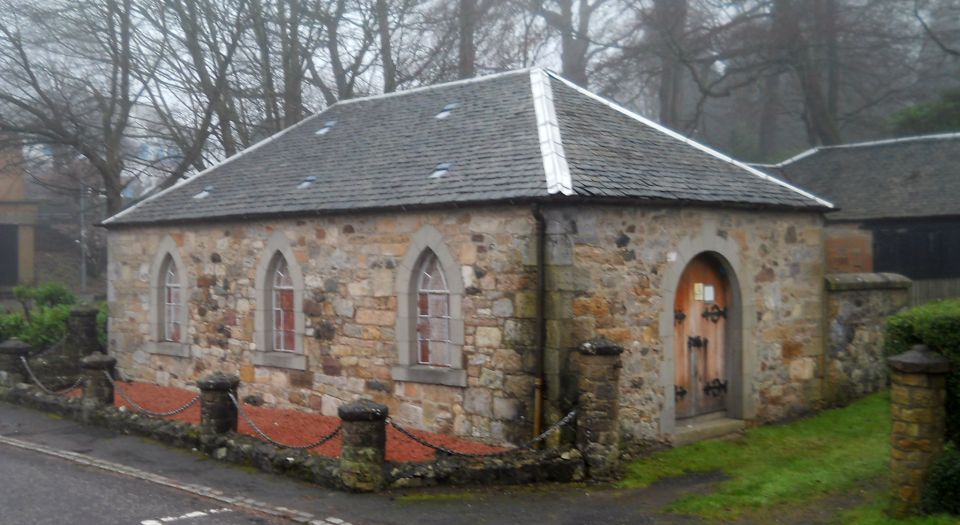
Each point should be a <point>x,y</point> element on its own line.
<point>897,203</point>
<point>441,250</point>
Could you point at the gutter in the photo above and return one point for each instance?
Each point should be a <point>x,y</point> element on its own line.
<point>541,334</point>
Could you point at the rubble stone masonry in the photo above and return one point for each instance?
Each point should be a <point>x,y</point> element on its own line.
<point>605,268</point>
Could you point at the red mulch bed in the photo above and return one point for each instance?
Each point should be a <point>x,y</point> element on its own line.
<point>292,427</point>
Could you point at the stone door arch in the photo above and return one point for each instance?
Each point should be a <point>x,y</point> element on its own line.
<point>723,256</point>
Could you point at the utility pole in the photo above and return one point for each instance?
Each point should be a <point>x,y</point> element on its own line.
<point>83,240</point>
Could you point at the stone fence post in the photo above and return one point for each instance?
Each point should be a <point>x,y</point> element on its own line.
<point>97,388</point>
<point>218,413</point>
<point>11,369</point>
<point>364,445</point>
<point>81,339</point>
<point>917,399</point>
<point>598,428</point>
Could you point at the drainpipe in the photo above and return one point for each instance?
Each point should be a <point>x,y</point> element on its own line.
<point>541,335</point>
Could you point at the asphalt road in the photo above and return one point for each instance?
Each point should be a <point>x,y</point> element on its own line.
<point>38,490</point>
<point>38,487</point>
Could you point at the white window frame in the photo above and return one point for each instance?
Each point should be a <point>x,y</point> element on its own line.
<point>158,342</point>
<point>408,368</point>
<point>264,352</point>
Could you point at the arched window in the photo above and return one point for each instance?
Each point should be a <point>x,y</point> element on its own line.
<point>281,293</point>
<point>433,313</point>
<point>168,302</point>
<point>429,327</point>
<point>172,327</point>
<point>279,322</point>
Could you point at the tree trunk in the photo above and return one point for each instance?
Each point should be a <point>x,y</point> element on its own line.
<point>386,49</point>
<point>466,64</point>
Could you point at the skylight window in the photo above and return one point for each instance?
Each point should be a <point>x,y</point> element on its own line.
<point>307,182</point>
<point>441,170</point>
<point>445,112</point>
<point>205,193</point>
<point>327,126</point>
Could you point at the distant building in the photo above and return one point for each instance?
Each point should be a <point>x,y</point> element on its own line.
<point>18,220</point>
<point>898,206</point>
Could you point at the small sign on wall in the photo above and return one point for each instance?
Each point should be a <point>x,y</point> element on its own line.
<point>704,292</point>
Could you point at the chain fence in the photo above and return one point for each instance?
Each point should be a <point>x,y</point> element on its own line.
<point>133,404</point>
<point>246,417</point>
<point>525,446</point>
<point>36,381</point>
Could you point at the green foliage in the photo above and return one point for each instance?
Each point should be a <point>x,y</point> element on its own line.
<point>832,451</point>
<point>942,115</point>
<point>936,325</point>
<point>11,325</point>
<point>47,325</point>
<point>942,490</point>
<point>103,313</point>
<point>44,318</point>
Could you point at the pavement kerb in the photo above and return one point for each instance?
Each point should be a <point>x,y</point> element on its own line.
<point>196,490</point>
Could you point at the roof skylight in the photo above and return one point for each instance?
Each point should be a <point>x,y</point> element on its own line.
<point>205,193</point>
<point>327,126</point>
<point>307,182</point>
<point>441,170</point>
<point>445,112</point>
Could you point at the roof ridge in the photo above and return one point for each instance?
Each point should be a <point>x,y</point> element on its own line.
<point>702,147</point>
<point>555,167</point>
<point>867,144</point>
<point>431,87</point>
<point>217,165</point>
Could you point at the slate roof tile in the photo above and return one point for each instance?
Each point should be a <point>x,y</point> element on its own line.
<point>381,151</point>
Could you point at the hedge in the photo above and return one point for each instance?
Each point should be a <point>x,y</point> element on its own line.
<point>936,325</point>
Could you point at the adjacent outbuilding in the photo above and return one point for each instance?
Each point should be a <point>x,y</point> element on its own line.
<point>442,250</point>
<point>897,208</point>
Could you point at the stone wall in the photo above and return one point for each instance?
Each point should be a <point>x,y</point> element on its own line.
<point>627,261</point>
<point>609,273</point>
<point>849,248</point>
<point>857,305</point>
<point>349,264</point>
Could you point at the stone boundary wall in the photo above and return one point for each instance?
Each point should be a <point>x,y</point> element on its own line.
<point>857,305</point>
<point>518,468</point>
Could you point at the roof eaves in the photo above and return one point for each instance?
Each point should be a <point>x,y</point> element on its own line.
<point>705,149</point>
<point>555,167</point>
<point>119,215</point>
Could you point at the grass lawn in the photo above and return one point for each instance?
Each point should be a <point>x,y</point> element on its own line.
<point>832,453</point>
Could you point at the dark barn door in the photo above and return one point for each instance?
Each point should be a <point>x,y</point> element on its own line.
<point>9,255</point>
<point>700,324</point>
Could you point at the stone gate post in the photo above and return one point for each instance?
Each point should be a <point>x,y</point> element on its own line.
<point>81,339</point>
<point>598,429</point>
<point>97,388</point>
<point>218,413</point>
<point>917,399</point>
<point>11,369</point>
<point>364,445</point>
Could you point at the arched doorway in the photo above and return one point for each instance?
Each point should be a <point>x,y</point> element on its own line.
<point>704,342</point>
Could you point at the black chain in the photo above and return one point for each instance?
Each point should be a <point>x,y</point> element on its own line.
<point>43,387</point>
<point>133,404</point>
<point>272,441</point>
<point>525,446</point>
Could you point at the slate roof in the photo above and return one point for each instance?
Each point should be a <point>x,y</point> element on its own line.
<point>911,177</point>
<point>506,141</point>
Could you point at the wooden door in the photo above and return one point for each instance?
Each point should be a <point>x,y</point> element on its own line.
<point>700,323</point>
<point>9,255</point>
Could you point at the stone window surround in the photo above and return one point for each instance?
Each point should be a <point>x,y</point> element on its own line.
<point>278,243</point>
<point>407,368</point>
<point>740,339</point>
<point>168,251</point>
